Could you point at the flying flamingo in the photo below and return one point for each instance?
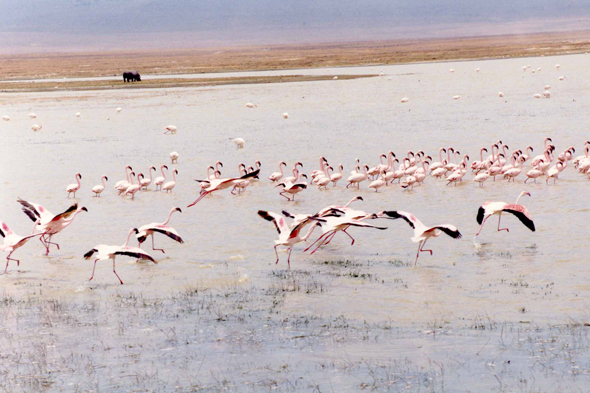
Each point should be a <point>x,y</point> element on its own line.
<point>275,176</point>
<point>287,237</point>
<point>171,184</point>
<point>47,223</point>
<point>222,184</point>
<point>12,242</point>
<point>158,181</point>
<point>421,232</point>
<point>332,225</point>
<point>104,252</point>
<point>163,228</point>
<point>74,186</point>
<point>98,189</point>
<point>488,209</point>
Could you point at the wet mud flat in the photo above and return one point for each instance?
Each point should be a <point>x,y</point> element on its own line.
<point>242,337</point>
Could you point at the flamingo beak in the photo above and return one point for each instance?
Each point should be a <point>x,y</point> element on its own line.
<point>86,210</point>
<point>528,193</point>
<point>180,211</point>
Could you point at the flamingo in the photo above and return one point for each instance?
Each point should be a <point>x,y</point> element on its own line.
<point>441,163</point>
<point>488,209</point>
<point>169,186</point>
<point>380,182</point>
<point>332,225</point>
<point>158,181</point>
<point>514,172</point>
<point>74,186</point>
<point>222,184</point>
<point>288,237</point>
<point>36,127</point>
<point>292,188</point>
<point>170,129</point>
<point>376,170</point>
<point>174,157</point>
<point>122,185</point>
<point>337,176</point>
<point>358,177</point>
<point>285,115</point>
<point>78,114</point>
<point>6,118</point>
<point>251,105</point>
<point>12,242</point>
<point>293,178</point>
<point>32,115</point>
<point>421,232</point>
<point>47,223</point>
<point>98,189</point>
<point>275,176</point>
<point>325,180</point>
<point>554,172</point>
<point>104,252</point>
<point>133,188</point>
<point>119,110</point>
<point>241,185</point>
<point>163,228</point>
<point>146,182</point>
<point>481,178</point>
<point>477,166</point>
<point>533,174</point>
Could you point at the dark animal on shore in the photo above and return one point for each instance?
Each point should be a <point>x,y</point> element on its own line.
<point>131,76</point>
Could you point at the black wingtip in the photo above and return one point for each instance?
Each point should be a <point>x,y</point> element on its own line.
<point>480,214</point>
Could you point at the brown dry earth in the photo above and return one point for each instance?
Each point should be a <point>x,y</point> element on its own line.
<point>193,61</point>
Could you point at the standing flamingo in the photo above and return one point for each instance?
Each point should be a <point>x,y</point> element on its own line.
<point>275,176</point>
<point>74,186</point>
<point>104,252</point>
<point>169,186</point>
<point>98,189</point>
<point>133,188</point>
<point>122,185</point>
<point>158,181</point>
<point>146,182</point>
<point>163,228</point>
<point>488,209</point>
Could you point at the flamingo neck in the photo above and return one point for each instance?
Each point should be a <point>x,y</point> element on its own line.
<point>162,170</point>
<point>128,238</point>
<point>103,182</point>
<point>127,174</point>
<point>174,175</point>
<point>78,180</point>
<point>151,175</point>
<point>169,215</point>
<point>308,234</point>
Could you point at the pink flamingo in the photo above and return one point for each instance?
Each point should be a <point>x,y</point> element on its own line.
<point>104,252</point>
<point>488,209</point>
<point>158,181</point>
<point>421,232</point>
<point>12,242</point>
<point>74,186</point>
<point>163,228</point>
<point>275,176</point>
<point>222,184</point>
<point>287,237</point>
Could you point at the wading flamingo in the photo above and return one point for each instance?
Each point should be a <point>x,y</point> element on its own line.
<point>74,186</point>
<point>98,189</point>
<point>146,182</point>
<point>169,186</point>
<point>276,176</point>
<point>158,181</point>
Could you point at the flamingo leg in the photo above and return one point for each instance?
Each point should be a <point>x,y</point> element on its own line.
<point>153,246</point>
<point>114,271</point>
<point>319,245</point>
<point>8,258</point>
<point>422,248</point>
<point>277,254</point>
<point>503,229</point>
<point>289,258</point>
<point>93,269</point>
<point>481,227</point>
<point>283,195</point>
<point>329,238</point>
<point>348,234</point>
<point>418,253</point>
<point>203,195</point>
<point>318,239</point>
